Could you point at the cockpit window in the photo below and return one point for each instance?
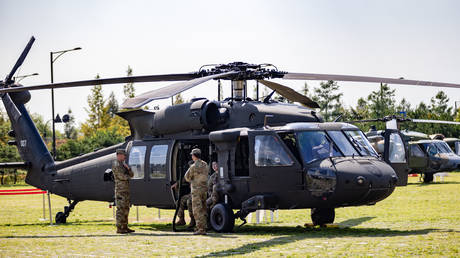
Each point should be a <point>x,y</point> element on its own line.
<point>397,153</point>
<point>315,145</point>
<point>443,147</point>
<point>344,145</point>
<point>268,151</point>
<point>361,143</point>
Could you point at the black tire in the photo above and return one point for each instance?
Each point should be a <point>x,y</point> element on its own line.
<point>60,218</point>
<point>222,218</point>
<point>321,216</point>
<point>427,177</point>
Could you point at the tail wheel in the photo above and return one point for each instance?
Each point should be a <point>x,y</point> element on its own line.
<point>61,218</point>
<point>321,216</point>
<point>222,218</point>
<point>428,177</point>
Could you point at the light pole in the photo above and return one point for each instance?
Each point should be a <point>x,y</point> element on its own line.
<point>52,60</point>
<point>22,77</point>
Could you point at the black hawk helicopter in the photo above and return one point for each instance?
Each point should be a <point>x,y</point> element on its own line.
<point>271,155</point>
<point>426,155</point>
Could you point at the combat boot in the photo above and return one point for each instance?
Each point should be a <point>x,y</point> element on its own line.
<point>181,222</point>
<point>192,223</point>
<point>121,230</point>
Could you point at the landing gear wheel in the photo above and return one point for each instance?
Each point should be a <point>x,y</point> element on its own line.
<point>427,177</point>
<point>321,216</point>
<point>61,218</point>
<point>222,218</point>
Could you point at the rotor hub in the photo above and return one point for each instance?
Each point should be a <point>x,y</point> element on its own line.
<point>245,71</point>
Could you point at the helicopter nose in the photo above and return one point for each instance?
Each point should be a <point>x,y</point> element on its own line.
<point>364,181</point>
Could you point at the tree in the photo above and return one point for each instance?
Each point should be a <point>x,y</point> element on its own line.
<point>97,111</point>
<point>69,128</point>
<point>112,105</point>
<point>128,89</point>
<point>381,102</point>
<point>440,104</point>
<point>306,90</point>
<point>178,99</point>
<point>328,99</point>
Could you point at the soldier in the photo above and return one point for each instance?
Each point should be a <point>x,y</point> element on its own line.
<point>122,173</point>
<point>197,176</point>
<point>185,202</point>
<point>213,196</point>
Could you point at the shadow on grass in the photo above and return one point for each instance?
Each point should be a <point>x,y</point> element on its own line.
<point>434,183</point>
<point>298,233</point>
<point>354,222</point>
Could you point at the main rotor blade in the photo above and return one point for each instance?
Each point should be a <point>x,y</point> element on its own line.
<point>365,121</point>
<point>129,79</point>
<point>434,121</point>
<point>290,94</point>
<point>20,60</point>
<point>352,78</point>
<point>169,91</point>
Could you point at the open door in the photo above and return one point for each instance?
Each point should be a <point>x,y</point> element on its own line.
<point>395,155</point>
<point>418,159</point>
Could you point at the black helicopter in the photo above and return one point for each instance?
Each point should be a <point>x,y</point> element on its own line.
<point>271,155</point>
<point>425,156</point>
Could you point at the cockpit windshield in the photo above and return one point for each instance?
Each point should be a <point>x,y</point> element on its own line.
<point>434,148</point>
<point>360,141</point>
<point>317,145</point>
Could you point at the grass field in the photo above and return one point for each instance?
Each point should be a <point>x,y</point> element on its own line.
<point>417,220</point>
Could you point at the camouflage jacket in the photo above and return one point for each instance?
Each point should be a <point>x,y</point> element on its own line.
<point>121,176</point>
<point>197,176</point>
<point>212,181</point>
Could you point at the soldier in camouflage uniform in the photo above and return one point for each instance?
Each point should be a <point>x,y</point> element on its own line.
<point>197,176</point>
<point>122,173</point>
<point>213,196</point>
<point>185,202</point>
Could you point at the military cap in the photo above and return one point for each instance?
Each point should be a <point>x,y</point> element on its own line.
<point>121,151</point>
<point>195,151</point>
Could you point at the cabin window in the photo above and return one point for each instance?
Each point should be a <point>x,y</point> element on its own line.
<point>158,161</point>
<point>136,161</point>
<point>268,151</point>
<point>415,151</point>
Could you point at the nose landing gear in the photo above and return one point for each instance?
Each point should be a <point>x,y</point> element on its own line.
<point>322,216</point>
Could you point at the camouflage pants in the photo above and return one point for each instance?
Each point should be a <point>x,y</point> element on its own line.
<point>185,201</point>
<point>199,210</point>
<point>213,198</point>
<point>122,202</point>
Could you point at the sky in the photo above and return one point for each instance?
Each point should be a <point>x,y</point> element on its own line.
<point>414,39</point>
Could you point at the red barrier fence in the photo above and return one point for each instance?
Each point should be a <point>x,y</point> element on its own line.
<point>21,191</point>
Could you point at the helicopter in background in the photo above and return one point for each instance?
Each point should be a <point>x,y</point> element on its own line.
<point>426,155</point>
<point>271,155</point>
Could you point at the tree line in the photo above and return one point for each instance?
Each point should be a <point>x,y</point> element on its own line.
<point>103,128</point>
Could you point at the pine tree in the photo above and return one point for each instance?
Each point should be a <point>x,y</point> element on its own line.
<point>128,89</point>
<point>69,128</point>
<point>112,105</point>
<point>328,99</point>
<point>96,109</point>
<point>382,102</point>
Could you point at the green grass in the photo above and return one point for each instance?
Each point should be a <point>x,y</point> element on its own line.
<point>417,220</point>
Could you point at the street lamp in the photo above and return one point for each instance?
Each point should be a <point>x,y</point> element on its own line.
<point>52,60</point>
<point>22,77</point>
